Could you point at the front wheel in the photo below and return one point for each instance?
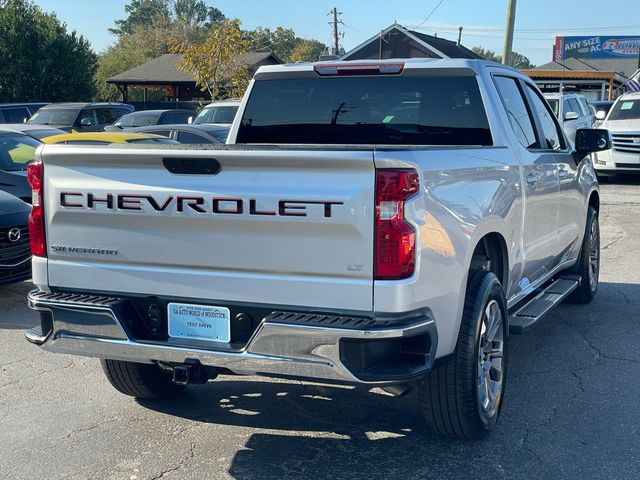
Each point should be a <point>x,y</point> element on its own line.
<point>588,265</point>
<point>462,397</point>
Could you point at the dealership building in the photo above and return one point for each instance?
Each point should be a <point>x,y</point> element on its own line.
<point>597,66</point>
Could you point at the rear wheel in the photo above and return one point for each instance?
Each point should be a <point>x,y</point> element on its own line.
<point>140,380</point>
<point>462,397</point>
<point>588,264</point>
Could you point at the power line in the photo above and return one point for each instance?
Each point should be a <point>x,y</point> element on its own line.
<point>430,13</point>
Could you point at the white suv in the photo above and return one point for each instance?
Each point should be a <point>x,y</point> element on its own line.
<point>221,113</point>
<point>573,111</point>
<point>623,121</point>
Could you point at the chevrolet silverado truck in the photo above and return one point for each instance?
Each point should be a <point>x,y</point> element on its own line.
<point>383,223</point>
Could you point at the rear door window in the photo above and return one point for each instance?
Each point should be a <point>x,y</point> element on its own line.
<point>574,106</point>
<point>551,136</point>
<point>106,116</point>
<point>517,112</point>
<point>374,110</point>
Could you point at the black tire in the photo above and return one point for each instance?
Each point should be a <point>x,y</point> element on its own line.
<point>589,258</point>
<point>449,394</point>
<point>140,380</point>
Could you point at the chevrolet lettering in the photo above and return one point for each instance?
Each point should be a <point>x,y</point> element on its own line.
<point>180,204</point>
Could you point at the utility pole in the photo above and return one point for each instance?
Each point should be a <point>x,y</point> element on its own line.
<point>459,35</point>
<point>336,46</point>
<point>508,34</point>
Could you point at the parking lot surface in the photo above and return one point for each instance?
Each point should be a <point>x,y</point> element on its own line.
<point>572,408</point>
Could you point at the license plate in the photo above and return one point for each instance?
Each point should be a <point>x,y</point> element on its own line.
<point>201,322</point>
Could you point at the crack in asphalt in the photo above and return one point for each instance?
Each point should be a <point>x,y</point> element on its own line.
<point>598,351</point>
<point>21,360</point>
<point>190,454</point>
<point>75,431</point>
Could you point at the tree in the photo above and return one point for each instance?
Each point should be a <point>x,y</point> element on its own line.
<point>215,63</point>
<point>141,12</point>
<point>520,61</point>
<point>191,16</point>
<point>517,59</point>
<point>41,60</point>
<point>307,51</point>
<point>143,44</point>
<point>284,43</point>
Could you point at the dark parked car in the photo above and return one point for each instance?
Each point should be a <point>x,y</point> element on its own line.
<point>188,133</point>
<point>35,131</point>
<point>17,150</point>
<point>152,117</point>
<point>18,112</point>
<point>15,252</point>
<point>81,117</point>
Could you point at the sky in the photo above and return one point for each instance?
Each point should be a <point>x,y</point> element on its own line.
<point>537,21</point>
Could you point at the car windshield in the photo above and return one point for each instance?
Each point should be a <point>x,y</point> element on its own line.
<point>626,110</point>
<point>554,104</point>
<point>56,116</point>
<point>384,110</point>
<point>17,151</point>
<point>217,115</point>
<point>151,140</point>
<point>137,120</point>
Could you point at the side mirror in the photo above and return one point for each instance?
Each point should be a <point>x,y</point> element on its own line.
<point>190,120</point>
<point>85,122</point>
<point>590,140</point>
<point>600,114</point>
<point>571,116</point>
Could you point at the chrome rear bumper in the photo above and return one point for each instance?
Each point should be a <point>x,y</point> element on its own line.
<point>281,345</point>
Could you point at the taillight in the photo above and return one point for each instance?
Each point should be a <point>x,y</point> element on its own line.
<point>36,218</point>
<point>395,238</point>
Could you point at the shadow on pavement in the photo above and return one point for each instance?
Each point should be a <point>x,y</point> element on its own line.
<point>13,301</point>
<point>321,431</point>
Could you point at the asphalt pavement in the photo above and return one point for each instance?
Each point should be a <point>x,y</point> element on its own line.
<point>572,406</point>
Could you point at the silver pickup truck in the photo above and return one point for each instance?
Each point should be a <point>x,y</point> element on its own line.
<point>381,223</point>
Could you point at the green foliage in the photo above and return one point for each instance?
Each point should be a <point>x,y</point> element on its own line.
<point>40,59</point>
<point>140,13</point>
<point>214,62</point>
<point>517,59</point>
<point>283,43</point>
<point>143,44</point>
<point>152,28</point>
<point>307,51</point>
<point>487,54</point>
<point>192,15</point>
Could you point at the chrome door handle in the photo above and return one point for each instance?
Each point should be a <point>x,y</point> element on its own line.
<point>534,178</point>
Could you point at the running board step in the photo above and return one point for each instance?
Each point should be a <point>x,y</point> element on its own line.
<point>540,305</point>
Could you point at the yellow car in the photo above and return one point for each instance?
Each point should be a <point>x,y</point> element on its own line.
<point>105,138</point>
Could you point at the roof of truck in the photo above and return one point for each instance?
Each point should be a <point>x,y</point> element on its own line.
<point>409,63</point>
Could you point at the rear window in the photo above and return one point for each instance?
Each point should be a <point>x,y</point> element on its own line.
<point>393,110</point>
<point>217,115</point>
<point>138,120</point>
<point>625,110</point>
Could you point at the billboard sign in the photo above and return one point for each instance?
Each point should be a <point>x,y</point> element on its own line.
<point>623,46</point>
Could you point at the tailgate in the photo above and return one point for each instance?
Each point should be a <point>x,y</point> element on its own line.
<point>277,227</point>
